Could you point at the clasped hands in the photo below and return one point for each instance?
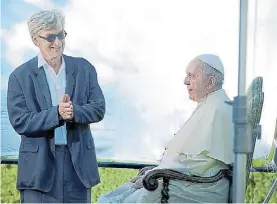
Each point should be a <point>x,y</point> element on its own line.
<point>66,108</point>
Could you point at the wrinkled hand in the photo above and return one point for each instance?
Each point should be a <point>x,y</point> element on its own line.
<point>138,179</point>
<point>133,180</point>
<point>66,108</point>
<point>138,184</point>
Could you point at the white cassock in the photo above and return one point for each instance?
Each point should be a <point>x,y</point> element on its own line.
<point>202,147</point>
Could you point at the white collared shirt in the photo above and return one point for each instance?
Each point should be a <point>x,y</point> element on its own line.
<point>56,83</point>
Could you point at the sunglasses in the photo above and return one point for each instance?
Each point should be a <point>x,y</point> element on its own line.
<point>52,37</point>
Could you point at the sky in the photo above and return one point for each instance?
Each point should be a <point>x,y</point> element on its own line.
<point>140,50</point>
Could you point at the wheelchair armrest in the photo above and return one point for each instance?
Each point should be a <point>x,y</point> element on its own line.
<point>150,180</point>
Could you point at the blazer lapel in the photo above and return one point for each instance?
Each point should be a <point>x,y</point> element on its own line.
<point>70,82</point>
<point>42,81</point>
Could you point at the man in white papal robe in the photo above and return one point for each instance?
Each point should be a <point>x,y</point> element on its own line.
<point>202,147</point>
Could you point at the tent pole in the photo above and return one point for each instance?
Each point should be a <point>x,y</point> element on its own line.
<point>242,140</point>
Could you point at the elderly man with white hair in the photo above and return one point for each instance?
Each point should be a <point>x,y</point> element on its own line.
<point>202,147</point>
<point>51,101</point>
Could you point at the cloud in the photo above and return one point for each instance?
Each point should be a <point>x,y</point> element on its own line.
<point>143,48</point>
<point>18,43</point>
<point>43,4</point>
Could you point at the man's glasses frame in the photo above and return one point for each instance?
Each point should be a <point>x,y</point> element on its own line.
<point>52,37</point>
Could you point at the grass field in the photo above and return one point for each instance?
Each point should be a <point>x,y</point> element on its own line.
<point>259,184</point>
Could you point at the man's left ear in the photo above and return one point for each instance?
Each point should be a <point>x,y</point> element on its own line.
<point>35,41</point>
<point>212,82</point>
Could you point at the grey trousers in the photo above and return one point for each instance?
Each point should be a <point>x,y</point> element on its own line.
<point>67,187</point>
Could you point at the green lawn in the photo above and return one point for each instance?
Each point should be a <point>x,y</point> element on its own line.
<point>111,178</point>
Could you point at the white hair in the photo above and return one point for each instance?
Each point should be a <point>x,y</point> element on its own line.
<point>45,20</point>
<point>210,71</point>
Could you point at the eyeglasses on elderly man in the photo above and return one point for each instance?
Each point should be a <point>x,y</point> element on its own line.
<point>52,37</point>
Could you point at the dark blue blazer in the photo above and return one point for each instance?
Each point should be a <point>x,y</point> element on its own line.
<point>34,118</point>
